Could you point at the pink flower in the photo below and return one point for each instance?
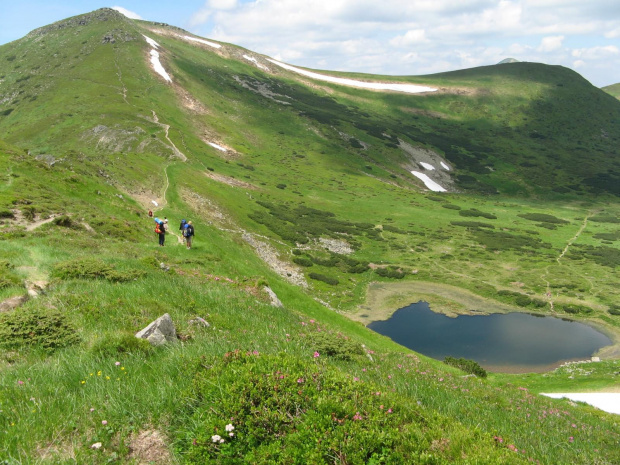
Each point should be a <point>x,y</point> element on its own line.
<point>20,382</point>
<point>316,355</point>
<point>357,416</point>
<point>300,380</point>
<point>311,321</point>
<point>356,379</point>
<point>571,439</point>
<point>389,376</point>
<point>363,369</point>
<point>92,409</point>
<point>104,422</point>
<point>389,410</point>
<point>117,364</point>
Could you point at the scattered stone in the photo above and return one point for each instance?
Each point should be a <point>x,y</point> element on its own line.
<point>596,359</point>
<point>96,446</point>
<point>108,39</point>
<point>12,303</point>
<point>274,298</point>
<point>199,322</point>
<point>160,331</point>
<point>164,267</point>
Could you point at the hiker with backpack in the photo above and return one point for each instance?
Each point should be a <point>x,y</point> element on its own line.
<point>160,230</point>
<point>188,233</point>
<point>182,228</point>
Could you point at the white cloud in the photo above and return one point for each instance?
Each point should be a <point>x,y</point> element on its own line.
<point>129,14</point>
<point>222,4</point>
<point>579,64</point>
<point>416,37</point>
<point>550,44</point>
<point>411,37</point>
<point>596,53</point>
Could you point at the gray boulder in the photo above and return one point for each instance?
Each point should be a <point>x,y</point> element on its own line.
<point>160,331</point>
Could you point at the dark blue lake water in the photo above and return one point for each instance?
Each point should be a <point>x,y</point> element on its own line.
<point>511,342</point>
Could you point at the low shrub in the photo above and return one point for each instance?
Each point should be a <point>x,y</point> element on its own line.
<point>576,309</point>
<point>47,328</point>
<point>287,410</point>
<point>92,268</point>
<point>451,206</point>
<point>468,366</point>
<point>475,212</point>
<point>614,310</point>
<point>390,272</point>
<point>326,279</point>
<point>303,261</point>
<point>7,277</point>
<point>542,218</point>
<point>114,344</point>
<point>335,345</point>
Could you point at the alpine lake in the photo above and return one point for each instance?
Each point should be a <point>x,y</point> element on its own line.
<point>499,342</point>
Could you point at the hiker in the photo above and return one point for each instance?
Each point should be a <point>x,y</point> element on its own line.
<point>182,228</point>
<point>188,234</point>
<point>160,229</point>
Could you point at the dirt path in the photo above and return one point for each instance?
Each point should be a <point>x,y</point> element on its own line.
<point>36,224</point>
<point>575,237</point>
<point>166,127</point>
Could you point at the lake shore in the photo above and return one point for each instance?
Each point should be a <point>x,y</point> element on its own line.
<point>383,299</point>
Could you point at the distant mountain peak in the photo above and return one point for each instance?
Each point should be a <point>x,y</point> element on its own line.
<point>508,60</point>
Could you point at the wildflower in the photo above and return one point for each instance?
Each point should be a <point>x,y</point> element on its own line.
<point>356,379</point>
<point>363,369</point>
<point>104,422</point>
<point>311,321</point>
<point>20,382</point>
<point>92,409</point>
<point>357,416</point>
<point>389,410</point>
<point>99,373</point>
<point>231,435</point>
<point>389,376</point>
<point>300,380</point>
<point>216,438</point>
<point>117,363</point>
<point>83,382</point>
<point>222,441</point>
<point>255,352</point>
<point>316,355</point>
<point>229,427</point>
<point>107,377</point>
<point>571,439</point>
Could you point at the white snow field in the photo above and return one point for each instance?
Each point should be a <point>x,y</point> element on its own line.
<point>215,146</point>
<point>157,66</point>
<point>407,88</point>
<point>607,401</point>
<point>255,61</point>
<point>444,166</point>
<point>202,41</point>
<point>428,182</point>
<point>427,166</point>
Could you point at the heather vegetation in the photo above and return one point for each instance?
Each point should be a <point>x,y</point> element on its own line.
<point>313,198</point>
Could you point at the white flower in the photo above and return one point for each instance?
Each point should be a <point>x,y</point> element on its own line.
<point>231,434</point>
<point>221,440</point>
<point>216,438</point>
<point>229,427</point>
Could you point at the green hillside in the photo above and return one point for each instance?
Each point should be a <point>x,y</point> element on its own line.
<point>613,89</point>
<point>304,188</point>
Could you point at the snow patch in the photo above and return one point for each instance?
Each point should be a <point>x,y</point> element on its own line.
<point>427,166</point>
<point>444,166</point>
<point>607,401</point>
<point>151,42</point>
<point>202,41</point>
<point>428,182</point>
<point>215,146</point>
<point>407,88</point>
<point>157,66</point>
<point>255,61</point>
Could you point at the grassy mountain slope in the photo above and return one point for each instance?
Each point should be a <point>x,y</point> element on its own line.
<point>90,136</point>
<point>613,89</point>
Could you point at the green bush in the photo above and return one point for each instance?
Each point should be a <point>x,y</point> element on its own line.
<point>283,410</point>
<point>92,268</point>
<point>451,206</point>
<point>468,366</point>
<point>576,309</point>
<point>4,213</point>
<point>335,345</point>
<point>476,212</point>
<point>390,272</point>
<point>523,301</point>
<point>47,328</point>
<point>614,310</point>
<point>542,218</point>
<point>303,261</point>
<point>326,279</point>
<point>113,344</point>
<point>7,277</point>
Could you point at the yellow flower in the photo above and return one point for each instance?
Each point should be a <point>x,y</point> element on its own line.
<point>83,382</point>
<point>99,373</point>
<point>107,377</point>
<point>91,374</point>
<point>122,368</point>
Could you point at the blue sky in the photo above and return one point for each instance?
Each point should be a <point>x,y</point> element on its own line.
<point>398,37</point>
